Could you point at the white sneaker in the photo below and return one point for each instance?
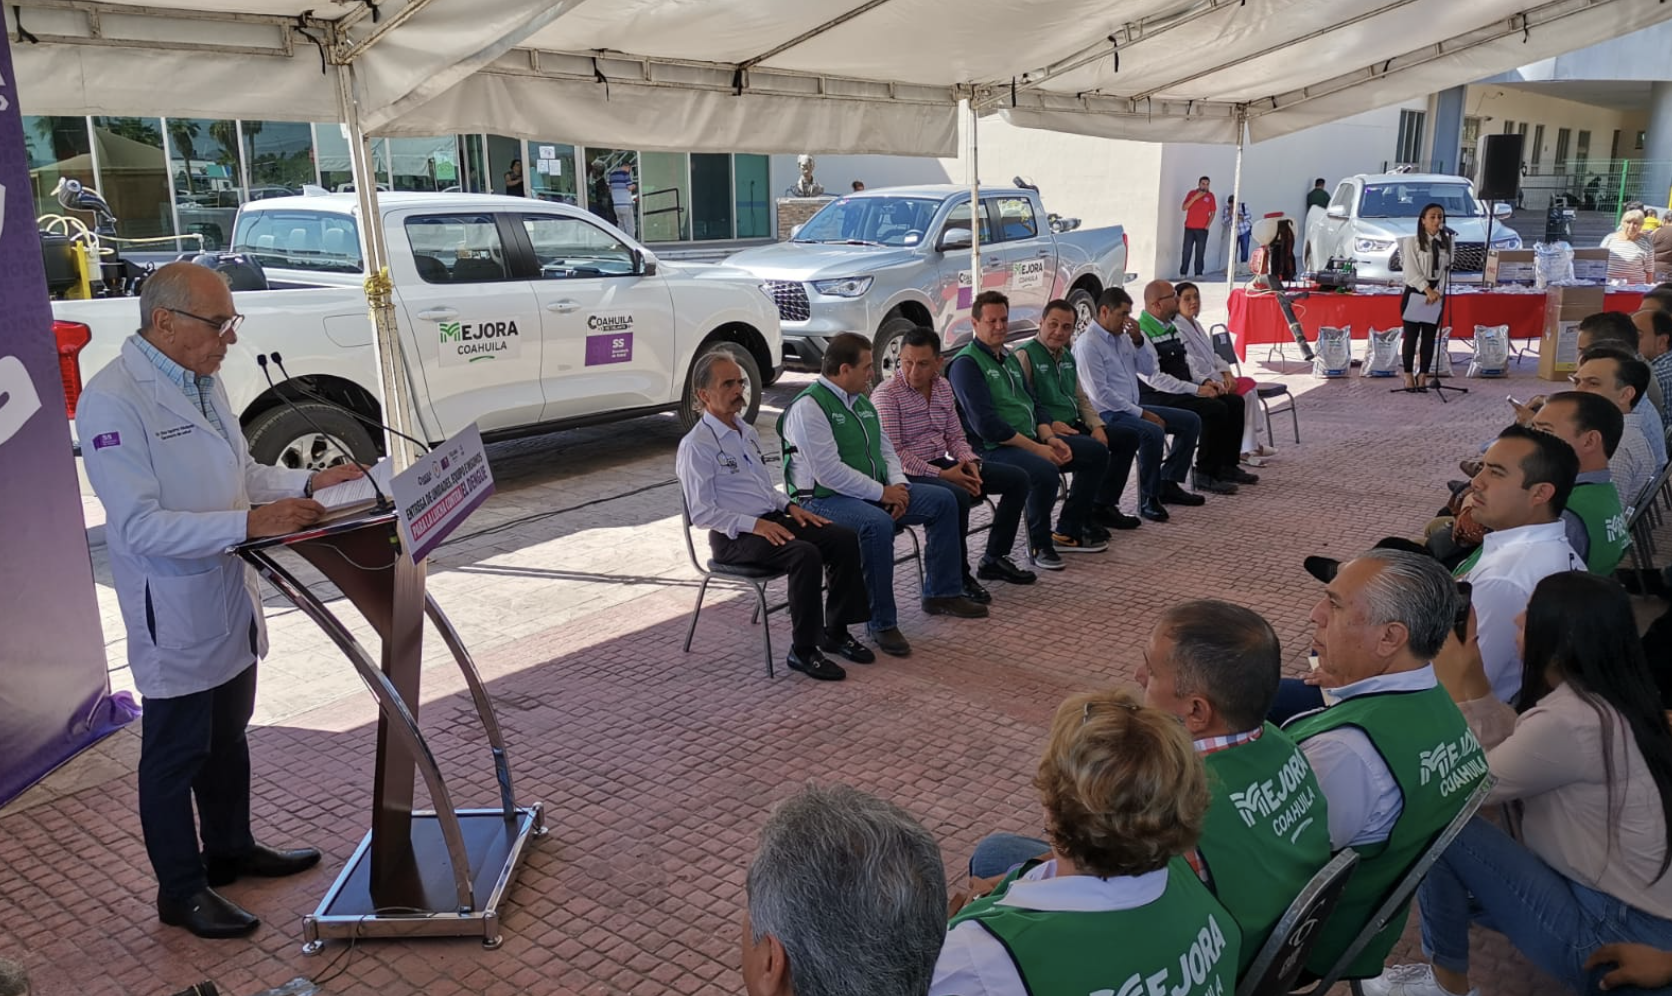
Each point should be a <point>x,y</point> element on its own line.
<point>1408,980</point>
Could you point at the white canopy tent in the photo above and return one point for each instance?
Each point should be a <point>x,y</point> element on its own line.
<point>877,76</point>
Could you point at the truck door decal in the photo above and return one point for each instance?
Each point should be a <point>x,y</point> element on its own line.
<point>469,342</point>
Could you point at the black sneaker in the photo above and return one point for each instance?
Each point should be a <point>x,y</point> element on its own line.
<point>1173,494</point>
<point>1236,475</point>
<point>815,665</point>
<point>974,592</point>
<point>1096,533</point>
<point>843,643</point>
<point>1045,559</point>
<point>1078,544</point>
<point>1213,485</point>
<point>1110,517</point>
<point>1004,569</point>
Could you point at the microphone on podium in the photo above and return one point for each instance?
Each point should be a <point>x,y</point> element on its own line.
<point>351,413</point>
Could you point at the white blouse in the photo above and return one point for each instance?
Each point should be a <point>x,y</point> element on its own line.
<point>1418,264</point>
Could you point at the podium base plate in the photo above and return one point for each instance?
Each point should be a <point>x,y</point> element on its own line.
<point>425,903</point>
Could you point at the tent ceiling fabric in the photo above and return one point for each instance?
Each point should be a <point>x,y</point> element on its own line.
<point>788,75</point>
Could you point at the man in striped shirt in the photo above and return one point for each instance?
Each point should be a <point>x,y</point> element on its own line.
<point>919,416</point>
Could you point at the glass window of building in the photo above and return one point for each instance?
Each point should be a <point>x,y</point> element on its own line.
<point>506,170</point>
<point>551,175</point>
<point>426,164</point>
<point>336,172</point>
<point>133,176</point>
<point>711,196</point>
<point>665,196</point>
<point>620,204</point>
<point>280,156</point>
<point>754,211</point>
<point>57,148</point>
<point>207,173</point>
<point>573,247</point>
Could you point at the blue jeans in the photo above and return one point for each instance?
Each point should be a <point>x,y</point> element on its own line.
<point>933,508</point>
<point>999,852</point>
<point>1194,239</point>
<point>1007,486</point>
<point>1185,427</point>
<point>1487,877</point>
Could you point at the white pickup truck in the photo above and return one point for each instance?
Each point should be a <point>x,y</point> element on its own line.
<point>518,315</point>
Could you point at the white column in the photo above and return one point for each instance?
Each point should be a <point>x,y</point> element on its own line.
<point>1657,148</point>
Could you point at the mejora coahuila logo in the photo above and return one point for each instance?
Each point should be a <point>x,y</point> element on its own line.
<point>468,342</point>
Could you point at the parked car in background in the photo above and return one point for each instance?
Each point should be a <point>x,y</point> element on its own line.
<point>1369,214</point>
<point>881,262</point>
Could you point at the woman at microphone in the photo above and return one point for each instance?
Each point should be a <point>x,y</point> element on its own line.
<point>1426,258</point>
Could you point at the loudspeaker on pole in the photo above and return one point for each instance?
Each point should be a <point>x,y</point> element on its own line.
<point>1500,168</point>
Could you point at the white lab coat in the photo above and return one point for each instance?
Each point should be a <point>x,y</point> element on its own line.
<point>176,496</point>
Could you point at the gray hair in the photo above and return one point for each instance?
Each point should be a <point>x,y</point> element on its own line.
<point>1228,655</point>
<point>853,888</point>
<point>702,375</point>
<point>169,288</point>
<point>14,981</point>
<point>1414,590</point>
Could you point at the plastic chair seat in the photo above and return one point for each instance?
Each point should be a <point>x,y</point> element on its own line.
<point>1271,390</point>
<point>747,571</point>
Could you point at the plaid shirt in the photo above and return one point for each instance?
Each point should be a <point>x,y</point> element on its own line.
<point>1661,367</point>
<point>1204,747</point>
<point>197,387</point>
<point>921,429</point>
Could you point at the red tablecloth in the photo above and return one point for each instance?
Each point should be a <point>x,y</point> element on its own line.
<point>1255,318</point>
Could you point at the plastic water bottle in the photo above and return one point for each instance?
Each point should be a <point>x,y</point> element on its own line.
<point>295,987</point>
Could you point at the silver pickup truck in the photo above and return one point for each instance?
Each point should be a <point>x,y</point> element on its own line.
<point>880,262</point>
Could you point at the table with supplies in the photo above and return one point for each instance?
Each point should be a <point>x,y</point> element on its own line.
<point>1255,319</point>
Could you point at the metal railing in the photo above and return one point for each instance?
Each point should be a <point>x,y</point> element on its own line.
<point>1595,184</point>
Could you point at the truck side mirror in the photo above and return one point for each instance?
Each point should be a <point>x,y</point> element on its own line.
<point>796,231</point>
<point>1502,210</point>
<point>1338,211</point>
<point>955,238</point>
<point>643,265</point>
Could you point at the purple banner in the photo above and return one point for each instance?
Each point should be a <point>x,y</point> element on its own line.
<point>609,347</point>
<point>54,691</point>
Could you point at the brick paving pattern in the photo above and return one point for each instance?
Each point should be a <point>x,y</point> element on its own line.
<point>657,766</point>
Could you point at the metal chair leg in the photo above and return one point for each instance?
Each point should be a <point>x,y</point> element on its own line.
<point>917,556</point>
<point>695,612</point>
<point>755,617</point>
<point>766,631</point>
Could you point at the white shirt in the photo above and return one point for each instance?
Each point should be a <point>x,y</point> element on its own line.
<point>1205,364</point>
<point>1364,799</point>
<point>724,475</point>
<point>1512,562</point>
<point>808,430</point>
<point>974,963</point>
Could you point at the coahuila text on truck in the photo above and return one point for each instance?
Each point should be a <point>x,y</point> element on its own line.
<point>480,341</point>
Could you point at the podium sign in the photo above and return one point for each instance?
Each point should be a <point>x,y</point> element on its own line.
<point>440,490</point>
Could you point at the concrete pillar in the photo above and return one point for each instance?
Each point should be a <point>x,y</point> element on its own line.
<point>1448,130</point>
<point>1657,149</point>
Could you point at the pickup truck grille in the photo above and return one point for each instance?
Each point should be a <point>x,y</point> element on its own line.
<point>791,298</point>
<point>1467,257</point>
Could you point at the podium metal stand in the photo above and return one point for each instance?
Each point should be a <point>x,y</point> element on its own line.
<point>437,872</point>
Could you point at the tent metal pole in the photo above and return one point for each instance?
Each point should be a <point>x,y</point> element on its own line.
<point>391,369</point>
<point>975,203</point>
<point>1231,238</point>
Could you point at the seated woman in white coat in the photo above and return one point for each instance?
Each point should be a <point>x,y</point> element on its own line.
<point>1207,364</point>
<point>167,458</point>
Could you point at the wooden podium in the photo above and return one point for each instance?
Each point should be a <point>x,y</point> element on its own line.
<point>437,872</point>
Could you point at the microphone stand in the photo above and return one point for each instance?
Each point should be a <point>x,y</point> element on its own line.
<point>1439,387</point>
<point>296,385</point>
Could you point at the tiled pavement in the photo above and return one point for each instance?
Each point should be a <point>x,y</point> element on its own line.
<point>656,766</point>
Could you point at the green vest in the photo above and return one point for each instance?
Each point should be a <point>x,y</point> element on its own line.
<point>1182,944</point>
<point>858,436</point>
<point>1056,383</point>
<point>1598,507</point>
<point>1266,834</point>
<point>1010,392</point>
<point>1436,762</point>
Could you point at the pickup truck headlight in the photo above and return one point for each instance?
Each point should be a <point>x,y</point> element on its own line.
<point>1372,245</point>
<point>1510,241</point>
<point>845,287</point>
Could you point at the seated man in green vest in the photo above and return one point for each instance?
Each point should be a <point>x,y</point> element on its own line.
<point>1216,665</point>
<point>1113,907</point>
<point>840,465</point>
<point>1393,754</point>
<point>1049,369</point>
<point>1595,520</point>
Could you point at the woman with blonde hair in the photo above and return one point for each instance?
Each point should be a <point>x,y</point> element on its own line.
<point>1112,904</point>
<point>1630,256</point>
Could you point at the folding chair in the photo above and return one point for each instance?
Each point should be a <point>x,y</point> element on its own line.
<point>1274,970</point>
<point>711,570</point>
<point>1400,896</point>
<point>1643,517</point>
<point>1227,351</point>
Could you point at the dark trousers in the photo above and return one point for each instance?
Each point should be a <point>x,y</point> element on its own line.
<point>1194,239</point>
<point>1122,450</point>
<point>1008,486</point>
<point>1220,447</point>
<point>1149,441</point>
<point>816,554</point>
<point>194,746</point>
<point>1044,478</point>
<point>1419,333</point>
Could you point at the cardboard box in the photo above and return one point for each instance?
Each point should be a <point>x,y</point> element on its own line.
<point>1509,266</point>
<point>1564,309</point>
<point>1591,265</point>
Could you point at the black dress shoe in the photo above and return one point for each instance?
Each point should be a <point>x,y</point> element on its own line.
<point>1004,569</point>
<point>1213,485</point>
<point>815,665</point>
<point>974,592</point>
<point>1110,517</point>
<point>1173,494</point>
<point>208,914</point>
<point>1096,533</point>
<point>848,647</point>
<point>892,642</point>
<point>1322,568</point>
<point>957,605</point>
<point>261,862</point>
<point>1236,475</point>
<point>1153,511</point>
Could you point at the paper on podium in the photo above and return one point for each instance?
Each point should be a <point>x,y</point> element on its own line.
<point>357,494</point>
<point>1418,310</point>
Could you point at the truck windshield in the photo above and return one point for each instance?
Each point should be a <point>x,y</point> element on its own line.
<point>299,240</point>
<point>882,221</point>
<point>1406,200</point>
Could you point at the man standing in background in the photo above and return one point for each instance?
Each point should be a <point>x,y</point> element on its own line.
<point>1317,197</point>
<point>1199,208</point>
<point>622,189</point>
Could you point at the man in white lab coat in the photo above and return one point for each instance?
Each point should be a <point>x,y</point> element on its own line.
<point>166,456</point>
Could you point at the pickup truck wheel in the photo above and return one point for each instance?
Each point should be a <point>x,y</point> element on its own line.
<point>283,438</point>
<point>885,349</point>
<point>1085,309</point>
<point>690,406</point>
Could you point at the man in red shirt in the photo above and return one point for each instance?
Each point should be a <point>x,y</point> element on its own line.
<point>1200,208</point>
